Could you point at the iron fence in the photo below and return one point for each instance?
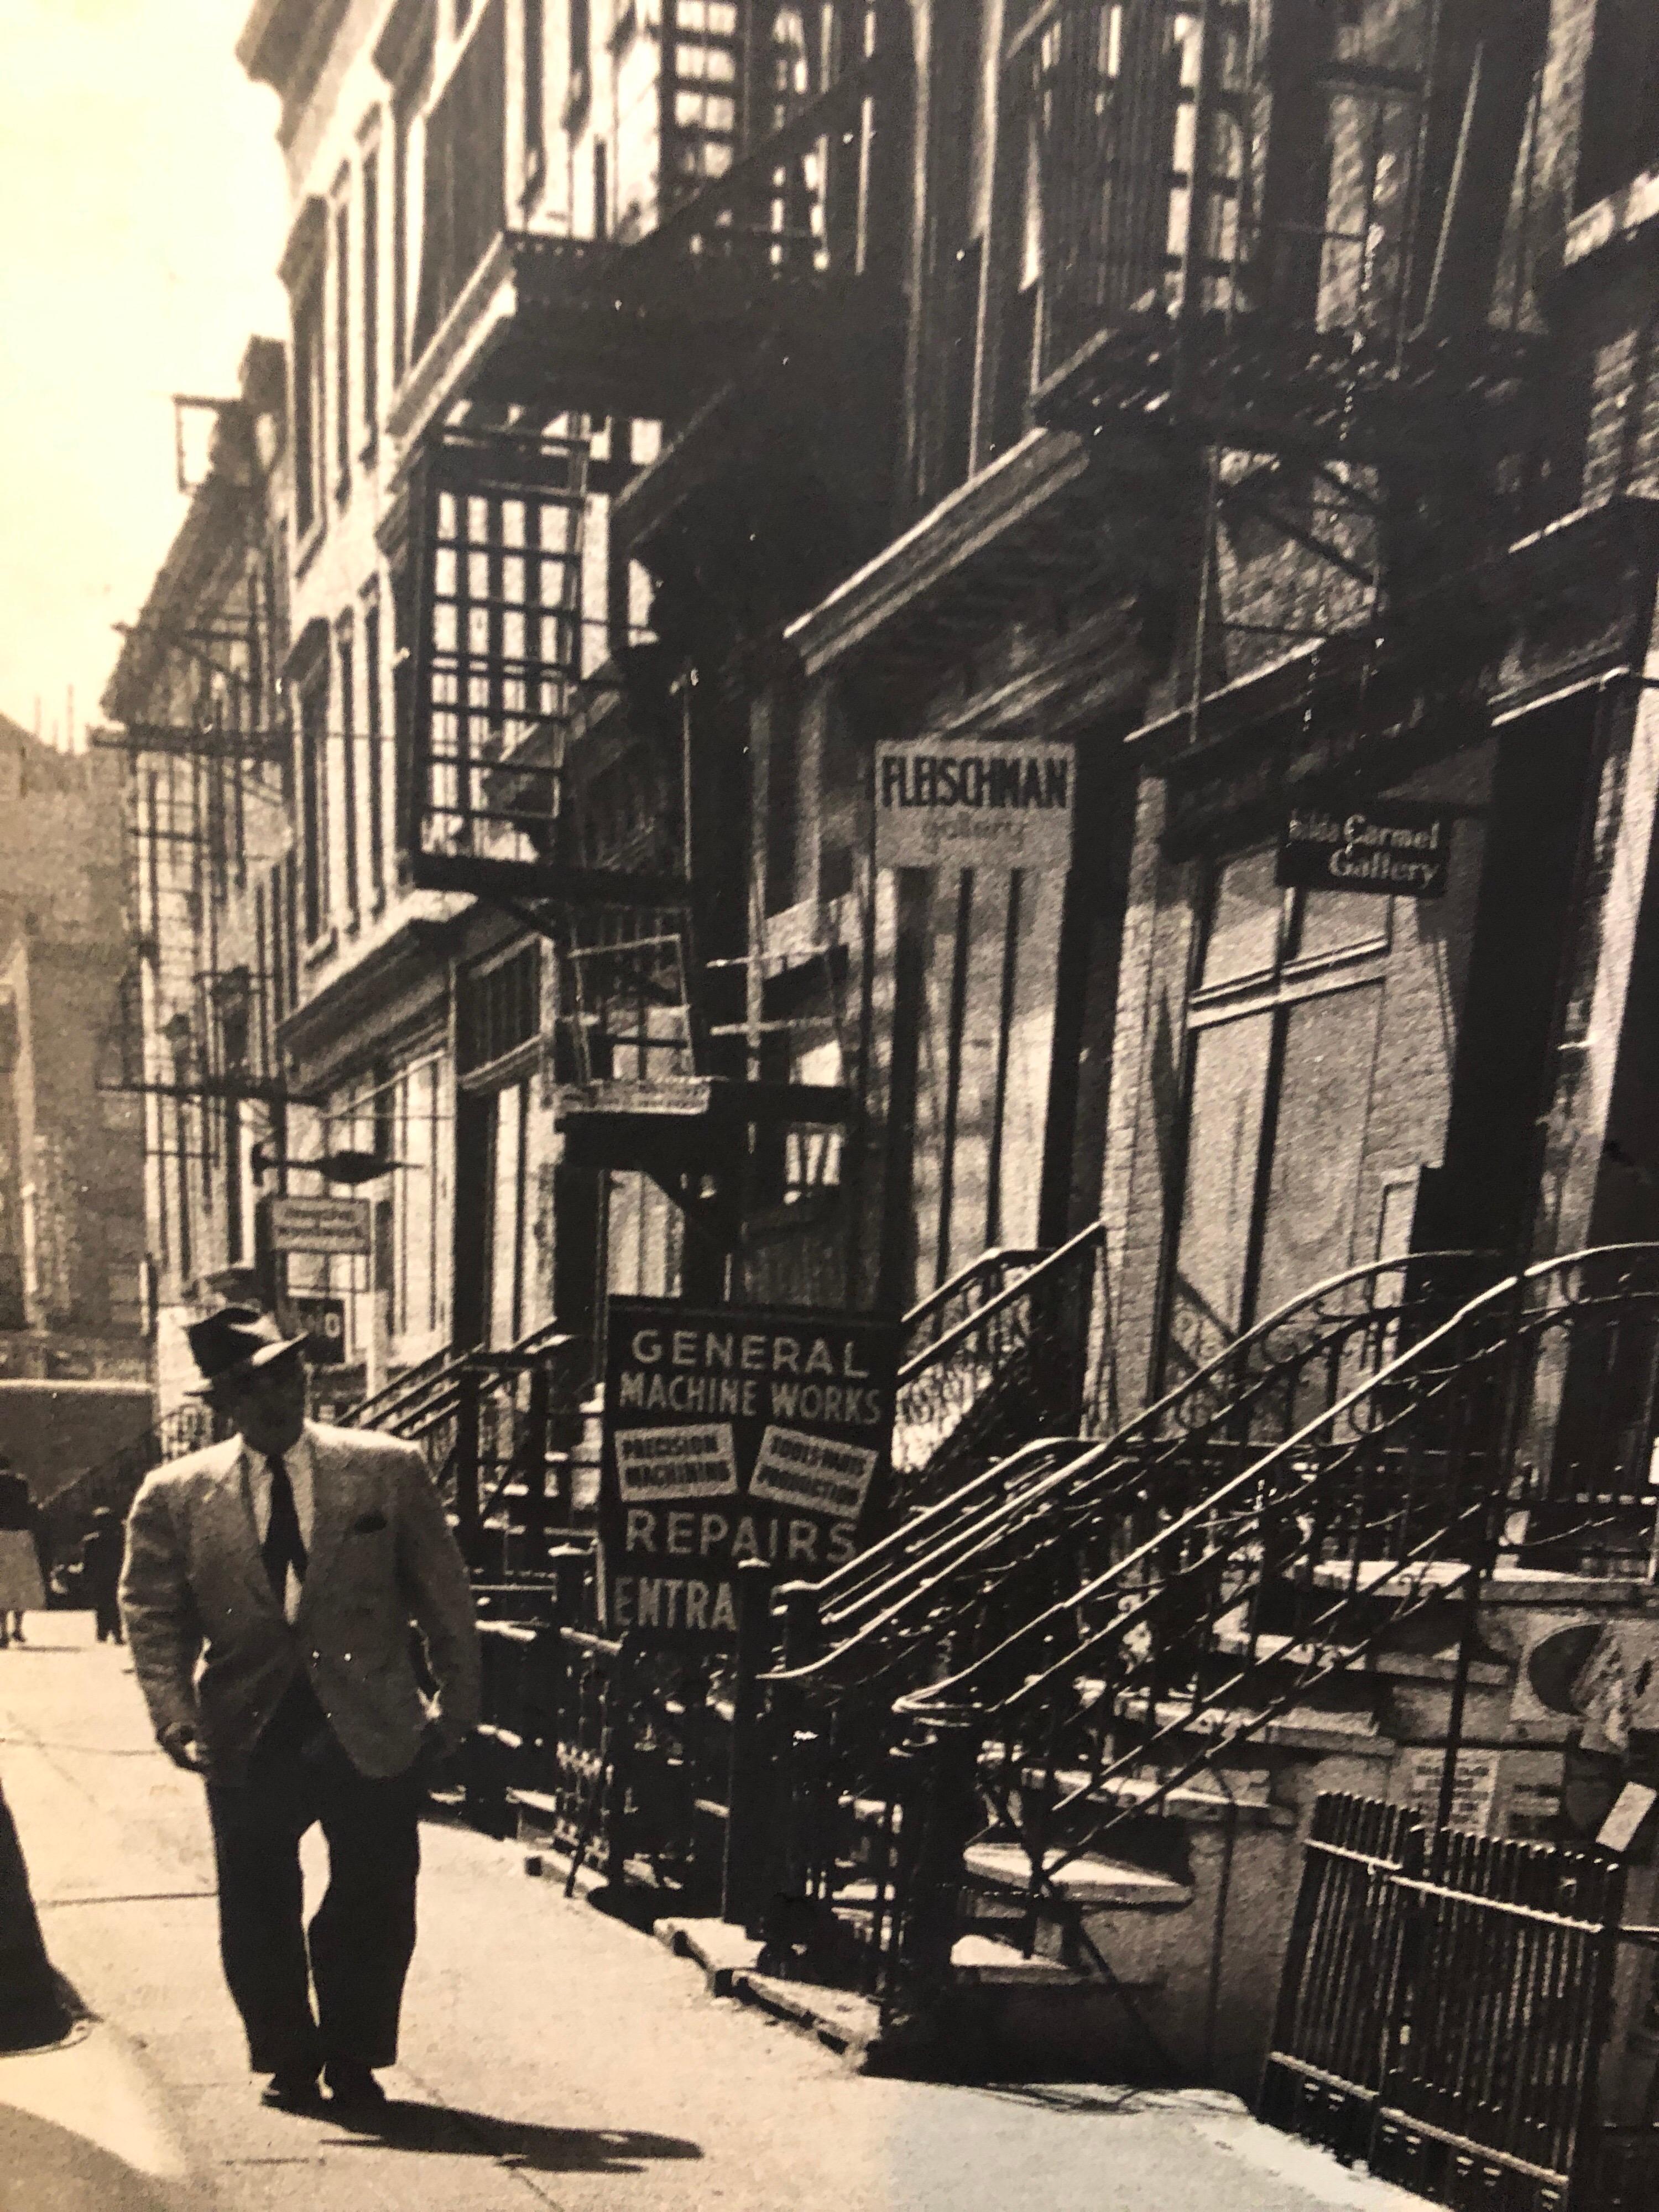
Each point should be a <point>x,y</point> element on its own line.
<point>1444,2005</point>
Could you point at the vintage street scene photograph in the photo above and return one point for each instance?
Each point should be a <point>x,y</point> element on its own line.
<point>830,1106</point>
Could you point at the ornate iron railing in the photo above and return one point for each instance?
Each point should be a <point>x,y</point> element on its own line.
<point>1012,1365</point>
<point>114,1481</point>
<point>496,1426</point>
<point>964,1294</point>
<point>957,1578</point>
<point>1537,1395</point>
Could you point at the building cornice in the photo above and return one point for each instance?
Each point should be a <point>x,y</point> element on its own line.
<point>285,44</point>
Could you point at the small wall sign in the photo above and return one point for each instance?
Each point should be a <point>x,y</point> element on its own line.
<point>335,1225</point>
<point>1398,848</point>
<point>940,804</point>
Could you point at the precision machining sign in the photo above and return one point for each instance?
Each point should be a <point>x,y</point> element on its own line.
<point>991,805</point>
<point>734,1435</point>
<point>1390,846</point>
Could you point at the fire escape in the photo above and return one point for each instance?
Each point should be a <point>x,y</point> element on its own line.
<point>1295,241</point>
<point>206,755</point>
<point>757,278</point>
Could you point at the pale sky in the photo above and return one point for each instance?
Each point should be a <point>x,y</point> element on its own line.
<point>141,214</point>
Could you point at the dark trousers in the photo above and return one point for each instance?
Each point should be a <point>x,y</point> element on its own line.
<point>362,1934</point>
<point>108,1615</point>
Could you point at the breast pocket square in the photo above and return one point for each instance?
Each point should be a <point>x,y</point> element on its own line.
<point>367,1524</point>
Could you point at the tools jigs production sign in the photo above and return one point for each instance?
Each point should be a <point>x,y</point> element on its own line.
<point>732,1436</point>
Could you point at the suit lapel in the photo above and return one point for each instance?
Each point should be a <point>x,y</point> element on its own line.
<point>237,1538</point>
<point>332,1504</point>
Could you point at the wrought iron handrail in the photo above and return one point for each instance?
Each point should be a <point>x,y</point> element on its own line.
<point>114,1479</point>
<point>986,1533</point>
<point>1390,1499</point>
<point>993,1263</point>
<point>409,1384</point>
<point>1014,1363</point>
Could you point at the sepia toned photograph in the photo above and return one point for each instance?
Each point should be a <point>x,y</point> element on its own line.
<point>830,1106</point>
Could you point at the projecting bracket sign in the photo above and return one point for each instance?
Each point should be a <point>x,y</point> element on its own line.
<point>940,802</point>
<point>1395,847</point>
<point>330,1225</point>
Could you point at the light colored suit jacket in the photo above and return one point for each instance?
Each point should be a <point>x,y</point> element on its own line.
<point>194,1589</point>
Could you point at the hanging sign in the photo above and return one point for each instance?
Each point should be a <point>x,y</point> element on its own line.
<point>733,1435</point>
<point>993,806</point>
<point>319,1224</point>
<point>1392,846</point>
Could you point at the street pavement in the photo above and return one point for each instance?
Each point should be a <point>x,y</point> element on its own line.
<point>551,2054</point>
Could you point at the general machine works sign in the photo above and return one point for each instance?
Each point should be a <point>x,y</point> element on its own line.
<point>732,1436</point>
<point>987,805</point>
<point>1392,845</point>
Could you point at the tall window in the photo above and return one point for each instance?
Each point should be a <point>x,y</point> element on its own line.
<point>1620,134</point>
<point>309,496</point>
<point>1283,1027</point>
<point>342,348</point>
<point>349,742</point>
<point>463,200</point>
<point>313,805</point>
<point>579,80</point>
<point>371,299</point>
<point>373,724</point>
<point>535,77</point>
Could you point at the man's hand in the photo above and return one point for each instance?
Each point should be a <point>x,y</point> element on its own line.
<point>182,1746</point>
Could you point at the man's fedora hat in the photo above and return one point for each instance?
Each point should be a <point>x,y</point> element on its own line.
<point>234,1342</point>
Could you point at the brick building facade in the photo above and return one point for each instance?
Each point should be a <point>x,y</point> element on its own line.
<point>684,401</point>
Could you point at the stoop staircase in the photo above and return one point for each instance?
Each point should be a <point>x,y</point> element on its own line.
<point>1071,1721</point>
<point>497,1427</point>
<point>993,1356</point>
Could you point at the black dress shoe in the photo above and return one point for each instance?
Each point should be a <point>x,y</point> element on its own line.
<point>293,2089</point>
<point>352,2086</point>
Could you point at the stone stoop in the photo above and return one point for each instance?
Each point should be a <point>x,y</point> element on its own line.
<point>999,1997</point>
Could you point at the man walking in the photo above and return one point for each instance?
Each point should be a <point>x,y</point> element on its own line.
<point>291,1560</point>
<point>102,1548</point>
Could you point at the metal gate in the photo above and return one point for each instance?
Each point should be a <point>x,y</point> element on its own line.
<point>1445,2001</point>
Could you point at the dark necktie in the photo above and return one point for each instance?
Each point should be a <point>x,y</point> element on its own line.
<point>283,1547</point>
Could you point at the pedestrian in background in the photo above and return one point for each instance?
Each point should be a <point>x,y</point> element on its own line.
<point>102,1549</point>
<point>292,1559</point>
<point>22,1583</point>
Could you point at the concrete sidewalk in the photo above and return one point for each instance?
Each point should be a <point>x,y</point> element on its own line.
<point>550,2053</point>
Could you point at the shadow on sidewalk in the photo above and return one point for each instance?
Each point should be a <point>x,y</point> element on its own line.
<point>516,2143</point>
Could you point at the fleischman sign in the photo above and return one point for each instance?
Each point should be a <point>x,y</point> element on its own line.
<point>1392,846</point>
<point>729,1435</point>
<point>974,806</point>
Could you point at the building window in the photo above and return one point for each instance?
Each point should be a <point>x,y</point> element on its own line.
<point>1284,1028</point>
<point>373,718</point>
<point>371,300</point>
<point>418,1305</point>
<point>343,350</point>
<point>535,80</point>
<point>313,805</point>
<point>501,1009</point>
<point>463,199</point>
<point>349,738</point>
<point>308,408</point>
<point>1620,138</point>
<point>579,80</point>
